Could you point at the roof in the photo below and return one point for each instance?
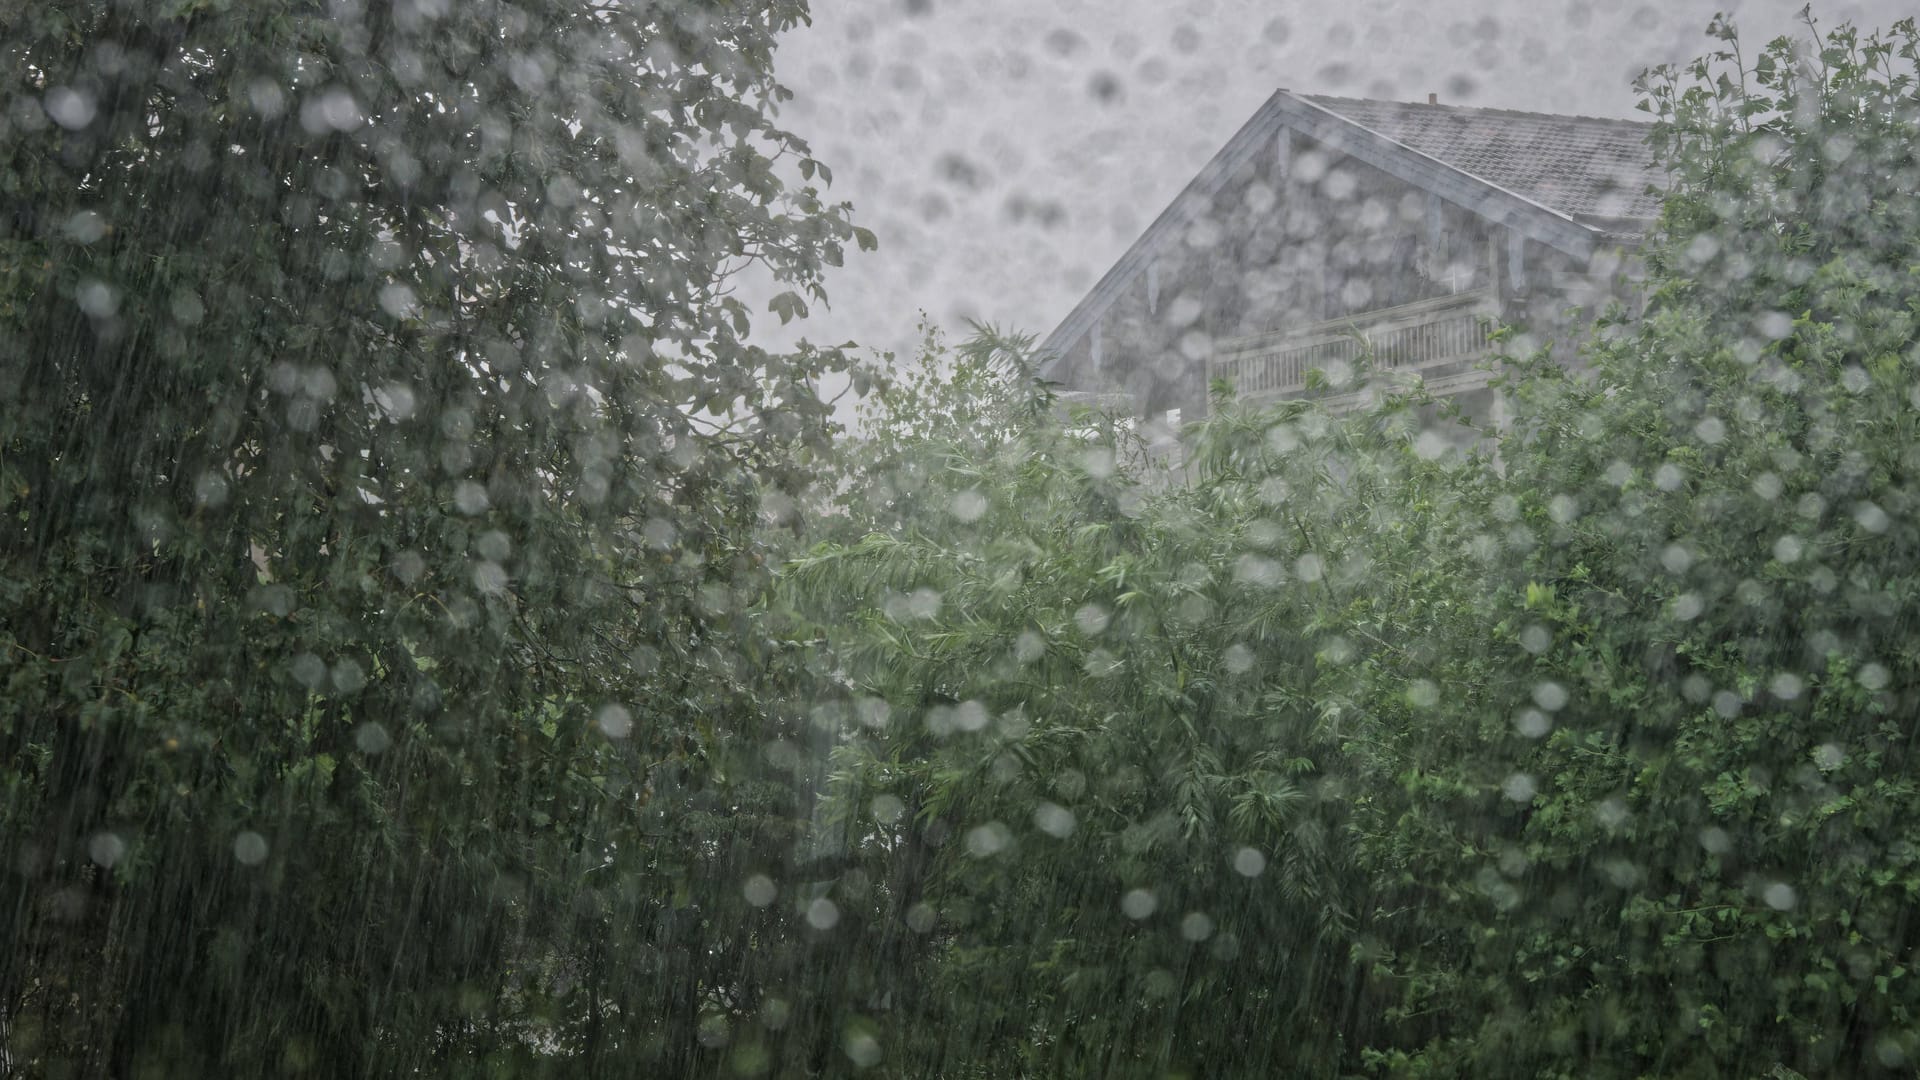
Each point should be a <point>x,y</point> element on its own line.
<point>1571,182</point>
<point>1582,166</point>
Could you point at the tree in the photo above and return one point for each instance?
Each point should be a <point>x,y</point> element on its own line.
<point>1662,824</point>
<point>1595,764</point>
<point>1089,786</point>
<point>381,454</point>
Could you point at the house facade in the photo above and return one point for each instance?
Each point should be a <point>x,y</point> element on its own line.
<point>1328,226</point>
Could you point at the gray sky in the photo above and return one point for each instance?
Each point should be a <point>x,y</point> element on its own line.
<point>1007,151</point>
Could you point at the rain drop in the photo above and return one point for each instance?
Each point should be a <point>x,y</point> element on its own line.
<point>250,848</point>
<point>758,890</point>
<point>614,721</point>
<point>1249,863</point>
<point>1137,904</point>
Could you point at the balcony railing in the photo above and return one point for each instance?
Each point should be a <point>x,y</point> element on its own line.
<point>1411,337</point>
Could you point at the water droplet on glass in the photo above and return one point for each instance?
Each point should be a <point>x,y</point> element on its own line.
<point>1774,325</point>
<point>1550,695</point>
<point>1249,863</point>
<point>1054,820</point>
<point>1137,904</point>
<point>987,840</point>
<point>1238,659</point>
<point>309,670</point>
<point>968,506</point>
<point>1829,756</point>
<point>1520,787</point>
<point>758,890</point>
<point>863,1050</point>
<point>1092,619</point>
<point>97,298</point>
<point>372,738</point>
<point>1196,926</point>
<point>398,301</point>
<point>921,918</point>
<point>85,227</point>
<point>614,721</point>
<point>250,848</point>
<point>71,108</point>
<point>1536,639</point>
<point>1870,517</point>
<point>823,914</point>
<point>1788,548</point>
<point>106,848</point>
<point>470,498</point>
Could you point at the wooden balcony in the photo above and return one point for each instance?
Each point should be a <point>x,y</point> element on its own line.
<point>1440,336</point>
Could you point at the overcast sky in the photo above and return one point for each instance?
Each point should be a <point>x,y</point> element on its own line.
<point>1007,151</point>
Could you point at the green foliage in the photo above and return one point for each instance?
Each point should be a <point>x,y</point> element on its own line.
<point>381,459</point>
<point>402,674</point>
<point>1083,745</point>
<point>1588,759</point>
<point>1704,657</point>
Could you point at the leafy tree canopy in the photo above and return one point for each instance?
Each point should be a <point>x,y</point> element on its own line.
<point>1583,755</point>
<point>382,454</point>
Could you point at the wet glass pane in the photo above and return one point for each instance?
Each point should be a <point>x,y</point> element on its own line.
<point>912,538</point>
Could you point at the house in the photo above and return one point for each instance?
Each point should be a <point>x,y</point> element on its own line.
<point>1327,222</point>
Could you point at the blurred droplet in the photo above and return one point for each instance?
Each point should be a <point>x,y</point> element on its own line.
<point>1423,694</point>
<point>106,849</point>
<point>1549,695</point>
<point>823,914</point>
<point>1054,820</point>
<point>250,848</point>
<point>985,841</point>
<point>758,890</point>
<point>863,1050</point>
<point>470,498</point>
<point>97,298</point>
<point>85,227</point>
<point>1536,639</point>
<point>1091,619</point>
<point>71,108</point>
<point>1138,904</point>
<point>887,809</point>
<point>614,721</point>
<point>1196,926</point>
<point>372,738</point>
<point>1249,863</point>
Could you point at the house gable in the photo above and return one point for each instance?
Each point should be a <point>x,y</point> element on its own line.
<point>1289,127</point>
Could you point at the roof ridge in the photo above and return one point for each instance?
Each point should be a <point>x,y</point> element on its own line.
<point>1475,109</point>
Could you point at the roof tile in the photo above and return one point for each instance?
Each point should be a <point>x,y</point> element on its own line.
<point>1582,166</point>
